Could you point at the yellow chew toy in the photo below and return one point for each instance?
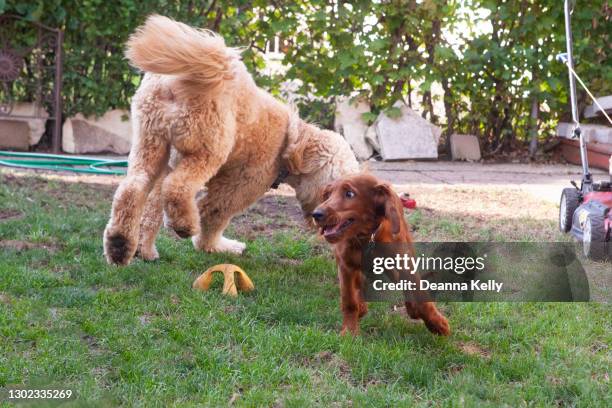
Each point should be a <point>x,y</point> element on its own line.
<point>233,277</point>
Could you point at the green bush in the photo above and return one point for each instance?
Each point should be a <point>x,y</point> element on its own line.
<point>96,75</point>
<point>492,65</point>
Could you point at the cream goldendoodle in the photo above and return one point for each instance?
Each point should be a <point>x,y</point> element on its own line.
<point>198,104</point>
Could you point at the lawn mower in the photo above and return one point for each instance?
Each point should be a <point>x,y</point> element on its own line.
<point>585,211</point>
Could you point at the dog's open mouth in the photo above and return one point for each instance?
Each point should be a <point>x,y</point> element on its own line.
<point>332,231</point>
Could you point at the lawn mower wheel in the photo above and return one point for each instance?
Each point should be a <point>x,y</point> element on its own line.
<point>594,245</point>
<point>570,200</point>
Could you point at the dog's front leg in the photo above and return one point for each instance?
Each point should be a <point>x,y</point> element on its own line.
<point>147,159</point>
<point>363,305</point>
<point>180,187</point>
<point>350,299</point>
<point>420,307</point>
<point>433,319</point>
<point>230,192</point>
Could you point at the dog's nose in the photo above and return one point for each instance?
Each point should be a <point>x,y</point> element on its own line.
<point>318,214</point>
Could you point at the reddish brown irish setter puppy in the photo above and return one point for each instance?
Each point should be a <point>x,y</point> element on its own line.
<point>354,211</point>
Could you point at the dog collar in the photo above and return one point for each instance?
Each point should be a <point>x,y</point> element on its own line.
<point>374,233</point>
<point>283,173</point>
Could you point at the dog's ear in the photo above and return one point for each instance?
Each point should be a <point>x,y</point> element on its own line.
<point>325,192</point>
<point>308,147</point>
<point>387,206</point>
<point>301,156</point>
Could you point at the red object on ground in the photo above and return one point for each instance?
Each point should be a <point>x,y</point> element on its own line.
<point>407,202</point>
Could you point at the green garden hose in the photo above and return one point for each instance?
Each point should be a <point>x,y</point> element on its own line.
<point>57,162</point>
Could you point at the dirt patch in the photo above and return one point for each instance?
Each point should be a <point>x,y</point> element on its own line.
<point>326,360</point>
<point>400,309</point>
<point>21,181</point>
<point>234,398</point>
<point>94,346</point>
<point>474,349</point>
<point>145,319</point>
<point>230,309</point>
<point>598,346</point>
<point>454,369</point>
<point>100,373</point>
<point>54,313</point>
<point>330,360</point>
<point>601,377</point>
<point>5,298</point>
<point>290,262</point>
<point>61,176</point>
<point>8,215</point>
<point>268,216</point>
<point>65,189</point>
<point>17,245</point>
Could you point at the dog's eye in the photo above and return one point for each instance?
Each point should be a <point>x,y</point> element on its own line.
<point>349,194</point>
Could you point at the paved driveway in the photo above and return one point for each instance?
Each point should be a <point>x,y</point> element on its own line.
<point>543,181</point>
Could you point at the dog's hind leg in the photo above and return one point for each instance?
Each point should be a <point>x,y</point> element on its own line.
<point>152,220</point>
<point>229,193</point>
<point>147,159</point>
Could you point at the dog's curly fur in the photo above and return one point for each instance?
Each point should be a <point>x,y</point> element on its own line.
<point>198,104</point>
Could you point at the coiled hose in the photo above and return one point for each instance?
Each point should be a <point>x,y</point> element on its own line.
<point>57,162</point>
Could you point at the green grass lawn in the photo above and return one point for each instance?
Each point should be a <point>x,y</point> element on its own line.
<point>139,335</point>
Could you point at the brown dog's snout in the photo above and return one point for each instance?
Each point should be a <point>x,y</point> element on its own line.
<point>318,214</point>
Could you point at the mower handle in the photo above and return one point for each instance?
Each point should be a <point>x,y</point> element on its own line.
<point>568,59</point>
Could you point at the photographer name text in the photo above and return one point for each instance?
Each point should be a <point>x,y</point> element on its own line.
<point>490,285</point>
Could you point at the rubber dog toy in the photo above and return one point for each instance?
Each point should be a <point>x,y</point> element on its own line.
<point>234,278</point>
<point>407,202</point>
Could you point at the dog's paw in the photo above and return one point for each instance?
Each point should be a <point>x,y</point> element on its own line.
<point>118,249</point>
<point>183,220</point>
<point>148,254</point>
<point>438,325</point>
<point>349,330</point>
<point>222,245</point>
<point>185,231</point>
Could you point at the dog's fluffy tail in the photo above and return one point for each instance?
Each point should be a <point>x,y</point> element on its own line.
<point>199,58</point>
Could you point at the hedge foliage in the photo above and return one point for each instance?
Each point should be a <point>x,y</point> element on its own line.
<point>487,63</point>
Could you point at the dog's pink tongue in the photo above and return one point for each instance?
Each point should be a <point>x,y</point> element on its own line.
<point>332,230</point>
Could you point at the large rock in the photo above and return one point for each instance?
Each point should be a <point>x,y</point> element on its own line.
<point>592,133</point>
<point>372,138</point>
<point>349,122</point>
<point>407,137</point>
<point>465,147</point>
<point>597,133</point>
<point>593,110</point>
<point>14,134</point>
<point>565,129</point>
<point>33,115</point>
<point>110,133</point>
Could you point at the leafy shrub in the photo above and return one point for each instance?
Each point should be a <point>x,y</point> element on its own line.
<point>492,60</point>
